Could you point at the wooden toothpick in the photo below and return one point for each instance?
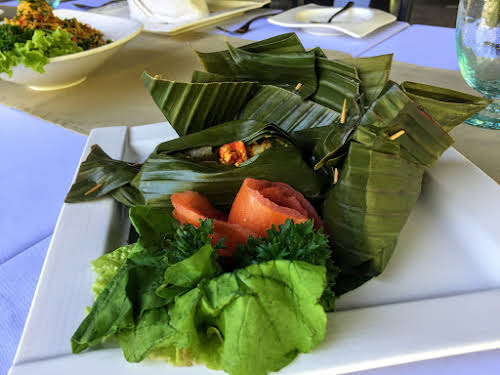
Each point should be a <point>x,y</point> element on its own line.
<point>397,135</point>
<point>299,85</point>
<point>335,176</point>
<point>97,187</point>
<point>344,110</point>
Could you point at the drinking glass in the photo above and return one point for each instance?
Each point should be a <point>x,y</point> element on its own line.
<point>478,50</point>
<point>53,3</point>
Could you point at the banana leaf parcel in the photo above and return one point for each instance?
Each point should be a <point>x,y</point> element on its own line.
<point>365,172</point>
<point>191,163</point>
<point>379,183</point>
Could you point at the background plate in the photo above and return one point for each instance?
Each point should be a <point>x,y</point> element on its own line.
<point>355,22</point>
<point>439,295</point>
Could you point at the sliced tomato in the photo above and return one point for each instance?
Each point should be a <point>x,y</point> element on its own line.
<point>260,204</point>
<point>190,207</point>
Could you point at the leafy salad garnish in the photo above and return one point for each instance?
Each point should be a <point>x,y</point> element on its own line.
<point>33,48</point>
<point>166,296</point>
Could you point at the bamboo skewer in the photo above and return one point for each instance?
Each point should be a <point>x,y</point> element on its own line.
<point>344,112</point>
<point>97,187</point>
<point>397,135</point>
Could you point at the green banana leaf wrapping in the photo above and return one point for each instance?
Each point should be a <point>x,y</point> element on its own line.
<point>98,169</point>
<point>379,184</point>
<point>379,180</point>
<point>373,73</point>
<point>168,170</point>
<point>448,107</point>
<point>287,110</point>
<point>221,62</point>
<point>337,82</point>
<point>190,107</point>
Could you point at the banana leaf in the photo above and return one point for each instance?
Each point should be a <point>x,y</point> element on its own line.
<point>222,63</point>
<point>284,70</point>
<point>337,81</point>
<point>330,149</point>
<point>190,107</point>
<point>287,110</point>
<point>379,184</point>
<point>99,170</point>
<point>128,196</point>
<point>206,77</point>
<point>448,107</point>
<point>373,73</point>
<point>168,171</point>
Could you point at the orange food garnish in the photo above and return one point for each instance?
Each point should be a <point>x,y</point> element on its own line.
<point>260,204</point>
<point>233,153</point>
<point>190,207</point>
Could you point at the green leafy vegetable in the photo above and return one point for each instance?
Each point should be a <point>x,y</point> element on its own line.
<point>153,225</point>
<point>11,34</point>
<point>36,52</point>
<point>292,242</point>
<point>107,265</point>
<point>251,321</point>
<point>187,239</point>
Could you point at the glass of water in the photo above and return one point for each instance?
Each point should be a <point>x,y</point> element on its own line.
<point>478,49</point>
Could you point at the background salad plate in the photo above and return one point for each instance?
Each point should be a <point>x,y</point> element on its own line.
<point>220,10</point>
<point>70,70</point>
<point>355,22</point>
<point>439,295</point>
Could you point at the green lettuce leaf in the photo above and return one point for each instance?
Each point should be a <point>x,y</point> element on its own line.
<point>153,224</point>
<point>186,274</point>
<point>107,265</point>
<point>130,293</point>
<point>252,321</point>
<point>266,313</point>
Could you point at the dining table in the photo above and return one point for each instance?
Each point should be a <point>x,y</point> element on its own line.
<point>39,156</point>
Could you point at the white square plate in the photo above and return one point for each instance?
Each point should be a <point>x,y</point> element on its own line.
<point>355,22</point>
<point>439,296</point>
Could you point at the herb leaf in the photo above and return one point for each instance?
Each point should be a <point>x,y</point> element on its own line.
<point>187,240</point>
<point>292,242</point>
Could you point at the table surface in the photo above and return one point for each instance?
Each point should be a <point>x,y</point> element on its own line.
<point>40,158</point>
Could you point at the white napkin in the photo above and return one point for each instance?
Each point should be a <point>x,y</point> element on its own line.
<point>167,11</point>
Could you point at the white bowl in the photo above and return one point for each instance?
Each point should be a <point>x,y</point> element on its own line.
<point>70,70</point>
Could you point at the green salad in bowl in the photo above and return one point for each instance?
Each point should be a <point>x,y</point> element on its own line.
<point>46,50</point>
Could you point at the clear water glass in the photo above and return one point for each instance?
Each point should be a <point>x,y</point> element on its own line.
<point>53,3</point>
<point>478,50</point>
